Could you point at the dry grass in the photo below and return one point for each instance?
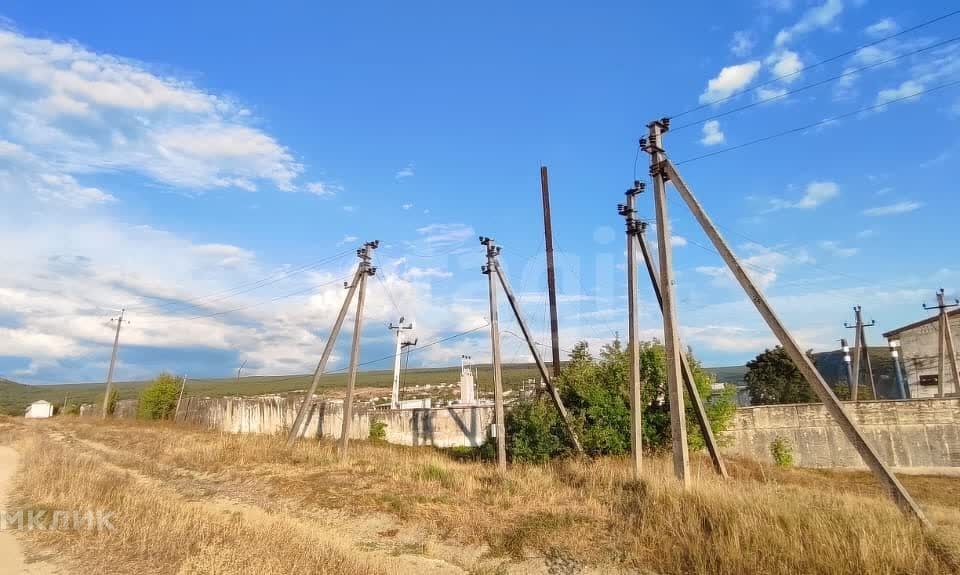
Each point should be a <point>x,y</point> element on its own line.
<point>569,514</point>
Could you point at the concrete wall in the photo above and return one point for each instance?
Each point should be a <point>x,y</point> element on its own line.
<point>919,349</point>
<point>911,433</point>
<point>440,427</point>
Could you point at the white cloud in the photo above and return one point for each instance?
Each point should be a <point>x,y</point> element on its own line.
<point>863,234</point>
<point>223,255</point>
<point>785,65</point>
<point>731,80</point>
<point>742,43</point>
<point>893,209</point>
<point>406,206</point>
<point>348,208</point>
<point>347,239</point>
<point>766,94</point>
<point>836,249</point>
<point>416,273</point>
<point>905,90</point>
<point>405,172</point>
<point>712,135</point>
<point>815,18</point>
<point>64,190</point>
<point>815,194</point>
<point>678,241</point>
<point>762,263</point>
<point>779,5</point>
<point>446,234</point>
<point>323,189</point>
<point>882,28</point>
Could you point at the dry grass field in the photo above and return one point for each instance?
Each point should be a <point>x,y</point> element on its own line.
<point>195,501</point>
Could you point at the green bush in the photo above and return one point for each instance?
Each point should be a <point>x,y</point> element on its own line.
<point>533,432</point>
<point>782,452</point>
<point>159,399</point>
<point>378,430</point>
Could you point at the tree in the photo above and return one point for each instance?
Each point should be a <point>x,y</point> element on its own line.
<point>159,399</point>
<point>773,378</point>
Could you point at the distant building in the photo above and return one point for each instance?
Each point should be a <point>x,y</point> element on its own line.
<point>39,410</point>
<point>919,348</point>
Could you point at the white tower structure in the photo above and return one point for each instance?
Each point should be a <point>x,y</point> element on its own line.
<point>468,394</point>
<point>400,328</point>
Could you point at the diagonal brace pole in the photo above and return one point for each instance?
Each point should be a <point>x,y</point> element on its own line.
<point>554,395</point>
<point>893,486</point>
<point>688,380</point>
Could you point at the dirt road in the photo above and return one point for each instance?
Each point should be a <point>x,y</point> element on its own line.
<point>14,561</point>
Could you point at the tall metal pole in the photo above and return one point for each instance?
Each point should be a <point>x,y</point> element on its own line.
<point>366,270</point>
<point>671,339</point>
<point>499,425</point>
<point>113,364</point>
<point>689,383</point>
<point>551,275</point>
<point>628,211</point>
<point>946,344</point>
<point>893,486</point>
<point>548,382</point>
<point>305,406</point>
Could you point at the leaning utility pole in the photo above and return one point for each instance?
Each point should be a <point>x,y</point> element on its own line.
<point>665,170</point>
<point>860,347</point>
<point>551,275</point>
<point>183,385</point>
<point>945,344</point>
<point>113,364</point>
<point>500,427</point>
<point>689,383</point>
<point>629,211</point>
<point>395,393</point>
<point>671,338</point>
<point>365,269</point>
<point>307,404</point>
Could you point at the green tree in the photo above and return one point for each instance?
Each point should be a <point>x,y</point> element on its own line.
<point>534,432</point>
<point>773,378</point>
<point>159,399</point>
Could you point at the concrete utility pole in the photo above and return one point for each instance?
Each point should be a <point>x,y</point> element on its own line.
<point>499,425</point>
<point>946,344</point>
<point>671,338</point>
<point>860,347</point>
<point>307,404</point>
<point>689,383</point>
<point>239,369</point>
<point>113,364</point>
<point>629,211</point>
<point>846,360</point>
<point>893,486</point>
<point>551,275</point>
<point>183,384</point>
<point>366,254</point>
<point>902,386</point>
<point>395,394</point>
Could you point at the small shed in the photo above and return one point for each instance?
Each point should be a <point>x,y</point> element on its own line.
<point>39,410</point>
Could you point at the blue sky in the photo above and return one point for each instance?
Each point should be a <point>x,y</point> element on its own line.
<point>212,167</point>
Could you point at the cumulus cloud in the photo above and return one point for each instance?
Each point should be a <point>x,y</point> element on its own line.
<point>882,28</point>
<point>712,135</point>
<point>785,65</point>
<point>893,209</point>
<point>907,89</point>
<point>741,44</point>
<point>815,194</point>
<point>731,80</point>
<point>818,17</point>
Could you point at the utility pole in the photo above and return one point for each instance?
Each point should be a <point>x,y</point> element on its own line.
<point>946,344</point>
<point>239,369</point>
<point>902,387</point>
<point>365,270</point>
<point>892,485</point>
<point>307,403</point>
<point>113,364</point>
<point>860,347</point>
<point>183,384</point>
<point>689,383</point>
<point>846,360</point>
<point>671,339</point>
<point>629,211</point>
<point>395,394</point>
<point>551,275</point>
<point>499,427</point>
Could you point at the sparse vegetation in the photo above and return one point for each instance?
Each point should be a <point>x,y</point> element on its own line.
<point>782,452</point>
<point>378,430</point>
<point>159,399</point>
<point>223,503</point>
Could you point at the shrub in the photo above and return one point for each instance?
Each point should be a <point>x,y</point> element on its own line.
<point>378,430</point>
<point>533,432</point>
<point>782,452</point>
<point>159,399</point>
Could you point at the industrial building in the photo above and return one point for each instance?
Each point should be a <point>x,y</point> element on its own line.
<point>919,351</point>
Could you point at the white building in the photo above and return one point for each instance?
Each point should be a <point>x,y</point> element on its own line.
<point>39,410</point>
<point>919,348</point>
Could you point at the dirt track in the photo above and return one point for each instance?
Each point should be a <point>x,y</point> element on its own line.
<point>14,562</point>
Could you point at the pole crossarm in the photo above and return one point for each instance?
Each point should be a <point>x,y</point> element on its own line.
<point>890,482</point>
<point>691,385</point>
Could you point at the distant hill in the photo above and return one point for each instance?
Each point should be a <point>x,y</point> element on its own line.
<point>730,374</point>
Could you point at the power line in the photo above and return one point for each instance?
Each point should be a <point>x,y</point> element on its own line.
<point>845,74</point>
<point>816,124</point>
<point>821,63</point>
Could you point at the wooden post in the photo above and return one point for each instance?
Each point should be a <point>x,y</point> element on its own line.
<point>551,272</point>
<point>307,403</point>
<point>688,381</point>
<point>364,271</point>
<point>548,382</point>
<point>671,339</point>
<point>628,211</point>
<point>893,486</point>
<point>499,425</point>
